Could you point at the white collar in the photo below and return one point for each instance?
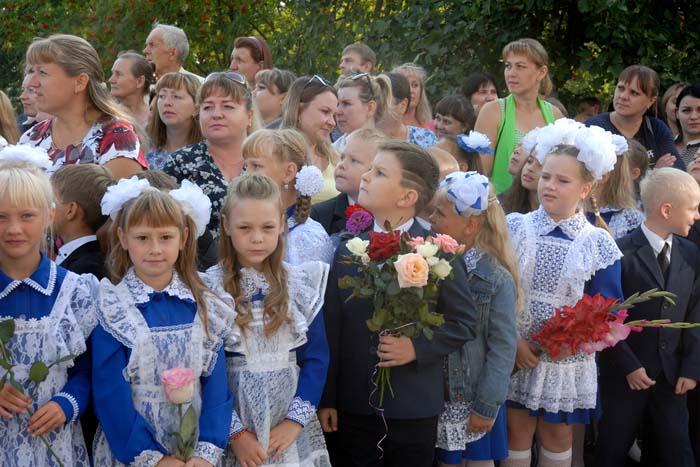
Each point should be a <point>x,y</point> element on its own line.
<point>351,201</point>
<point>253,282</point>
<point>402,228</point>
<point>34,281</point>
<point>656,241</point>
<point>570,226</point>
<point>67,249</point>
<point>424,223</point>
<point>141,292</point>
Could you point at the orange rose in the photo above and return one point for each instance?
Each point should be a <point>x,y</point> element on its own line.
<point>412,270</point>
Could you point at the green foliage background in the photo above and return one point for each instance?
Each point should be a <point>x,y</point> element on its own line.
<point>589,41</point>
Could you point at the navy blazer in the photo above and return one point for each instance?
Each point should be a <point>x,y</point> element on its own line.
<point>87,259</point>
<point>419,386</point>
<point>331,213</point>
<point>662,352</point>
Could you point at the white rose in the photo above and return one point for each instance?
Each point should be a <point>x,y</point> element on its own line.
<point>365,259</point>
<point>442,269</point>
<point>427,250</point>
<point>432,261</point>
<point>357,246</point>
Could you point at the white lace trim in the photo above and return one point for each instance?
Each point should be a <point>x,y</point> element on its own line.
<point>208,451</point>
<point>623,221</point>
<point>73,402</point>
<point>140,291</point>
<point>452,432</point>
<point>48,290</point>
<point>147,459</point>
<point>471,258</point>
<point>253,282</point>
<point>307,242</point>
<point>236,424</point>
<point>301,411</point>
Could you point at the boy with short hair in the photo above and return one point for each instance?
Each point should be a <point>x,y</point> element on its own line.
<point>78,189</point>
<point>357,58</point>
<point>655,369</point>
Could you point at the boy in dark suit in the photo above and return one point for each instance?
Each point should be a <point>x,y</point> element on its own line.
<point>78,189</point>
<point>354,161</point>
<point>653,370</point>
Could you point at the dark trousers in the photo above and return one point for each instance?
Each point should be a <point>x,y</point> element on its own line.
<point>623,412</point>
<point>408,442</point>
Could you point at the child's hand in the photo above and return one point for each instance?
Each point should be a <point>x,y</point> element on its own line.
<point>479,424</point>
<point>667,160</point>
<point>525,356</point>
<point>684,385</point>
<point>395,351</point>
<point>281,437</point>
<point>639,380</point>
<point>248,450</point>
<point>328,419</point>
<point>170,461</point>
<point>49,417</point>
<point>197,462</point>
<point>11,400</point>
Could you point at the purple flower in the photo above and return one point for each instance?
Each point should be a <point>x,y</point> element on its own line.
<point>358,222</point>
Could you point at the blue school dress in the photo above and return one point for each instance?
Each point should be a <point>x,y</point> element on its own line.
<point>558,263</point>
<point>142,333</point>
<point>54,313</point>
<point>620,221</point>
<point>306,242</point>
<point>280,376</point>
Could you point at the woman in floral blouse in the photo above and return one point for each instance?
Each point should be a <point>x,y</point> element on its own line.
<point>225,116</point>
<point>87,126</point>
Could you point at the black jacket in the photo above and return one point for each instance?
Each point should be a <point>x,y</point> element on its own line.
<point>419,386</point>
<point>669,352</point>
<point>87,259</point>
<point>331,213</point>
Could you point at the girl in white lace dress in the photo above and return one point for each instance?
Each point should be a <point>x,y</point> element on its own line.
<point>283,156</point>
<point>561,256</point>
<point>54,313</point>
<point>278,354</point>
<point>157,315</point>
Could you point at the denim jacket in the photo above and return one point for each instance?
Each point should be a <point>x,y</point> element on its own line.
<point>480,371</point>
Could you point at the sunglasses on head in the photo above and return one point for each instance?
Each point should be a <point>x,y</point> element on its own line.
<point>231,75</point>
<point>368,77</point>
<point>320,80</point>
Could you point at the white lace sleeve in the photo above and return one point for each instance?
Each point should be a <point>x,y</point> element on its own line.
<point>307,288</point>
<point>225,309</point>
<point>599,251</point>
<point>301,411</point>
<point>113,313</point>
<point>209,452</point>
<point>147,459</point>
<point>308,242</point>
<point>84,301</point>
<point>218,317</point>
<point>236,425</point>
<point>515,223</point>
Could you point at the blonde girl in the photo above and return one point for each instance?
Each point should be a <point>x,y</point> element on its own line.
<point>156,315</point>
<point>283,156</point>
<point>277,354</point>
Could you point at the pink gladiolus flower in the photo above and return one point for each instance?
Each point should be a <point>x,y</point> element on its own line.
<point>446,243</point>
<point>178,384</point>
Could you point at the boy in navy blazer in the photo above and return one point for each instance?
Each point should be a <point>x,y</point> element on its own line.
<point>653,370</point>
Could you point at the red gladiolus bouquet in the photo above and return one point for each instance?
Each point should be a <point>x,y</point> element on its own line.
<point>400,274</point>
<point>596,323</point>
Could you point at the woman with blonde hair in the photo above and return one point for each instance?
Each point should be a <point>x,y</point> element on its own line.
<point>505,121</point>
<point>173,123</point>
<point>419,113</point>
<point>9,133</point>
<point>87,124</point>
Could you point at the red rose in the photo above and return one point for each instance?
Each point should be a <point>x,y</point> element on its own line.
<point>383,246</point>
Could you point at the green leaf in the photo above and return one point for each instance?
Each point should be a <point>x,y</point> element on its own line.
<point>393,288</point>
<point>3,380</point>
<point>38,372</point>
<point>5,364</point>
<point>347,282</point>
<point>63,359</point>
<point>14,383</point>
<point>376,323</point>
<point>366,292</point>
<point>7,330</point>
<point>188,424</point>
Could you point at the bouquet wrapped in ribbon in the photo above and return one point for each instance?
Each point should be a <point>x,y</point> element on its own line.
<point>596,323</point>
<point>400,275</point>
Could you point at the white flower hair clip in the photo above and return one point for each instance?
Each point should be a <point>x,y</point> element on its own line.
<point>467,191</point>
<point>529,141</point>
<point>117,195</point>
<point>23,153</point>
<point>474,142</point>
<point>309,180</point>
<point>597,150</point>
<point>562,131</point>
<point>621,145</point>
<point>194,203</point>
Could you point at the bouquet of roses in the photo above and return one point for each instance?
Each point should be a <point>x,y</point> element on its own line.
<point>400,274</point>
<point>596,323</point>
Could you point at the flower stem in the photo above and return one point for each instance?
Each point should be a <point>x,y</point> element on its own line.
<point>46,442</point>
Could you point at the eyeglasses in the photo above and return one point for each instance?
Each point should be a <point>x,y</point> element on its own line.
<point>320,80</point>
<point>366,75</point>
<point>231,75</point>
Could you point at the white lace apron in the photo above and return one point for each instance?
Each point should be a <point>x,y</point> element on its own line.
<point>47,339</point>
<point>153,350</point>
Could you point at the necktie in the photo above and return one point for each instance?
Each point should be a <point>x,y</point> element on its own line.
<point>663,259</point>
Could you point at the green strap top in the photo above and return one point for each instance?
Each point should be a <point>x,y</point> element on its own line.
<point>508,137</point>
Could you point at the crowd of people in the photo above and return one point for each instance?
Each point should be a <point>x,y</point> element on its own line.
<point>163,232</point>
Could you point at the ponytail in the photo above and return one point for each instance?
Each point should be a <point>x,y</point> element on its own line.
<point>599,222</point>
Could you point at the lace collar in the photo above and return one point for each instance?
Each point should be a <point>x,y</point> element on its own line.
<point>142,293</point>
<point>43,279</point>
<point>571,226</point>
<point>471,258</point>
<point>607,209</point>
<point>253,284</point>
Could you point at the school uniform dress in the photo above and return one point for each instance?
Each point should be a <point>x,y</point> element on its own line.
<point>307,241</point>
<point>619,221</point>
<point>279,377</point>
<point>54,314</point>
<point>558,263</point>
<point>142,333</point>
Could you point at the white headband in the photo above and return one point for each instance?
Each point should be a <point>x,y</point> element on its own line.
<point>23,153</point>
<point>467,191</point>
<point>191,198</point>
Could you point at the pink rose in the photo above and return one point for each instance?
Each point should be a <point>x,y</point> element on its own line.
<point>446,243</point>
<point>178,384</point>
<point>412,270</point>
<point>415,241</point>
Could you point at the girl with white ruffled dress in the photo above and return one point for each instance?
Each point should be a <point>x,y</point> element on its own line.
<point>561,256</point>
<point>277,353</point>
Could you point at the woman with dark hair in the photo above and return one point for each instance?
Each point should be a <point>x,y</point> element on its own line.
<point>454,114</point>
<point>668,107</point>
<point>392,124</point>
<point>130,83</point>
<point>479,88</point>
<point>688,117</point>
<point>635,95</point>
<point>250,54</point>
